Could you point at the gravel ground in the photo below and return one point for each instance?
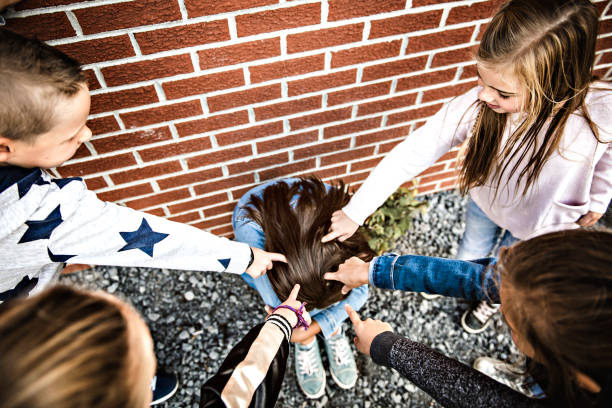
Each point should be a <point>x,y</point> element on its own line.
<point>195,318</point>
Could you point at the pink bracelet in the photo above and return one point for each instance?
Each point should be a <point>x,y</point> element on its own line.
<point>301,321</point>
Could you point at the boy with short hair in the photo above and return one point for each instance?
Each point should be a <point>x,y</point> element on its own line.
<point>45,222</point>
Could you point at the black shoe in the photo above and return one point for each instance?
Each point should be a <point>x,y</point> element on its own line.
<point>164,386</point>
<point>478,319</point>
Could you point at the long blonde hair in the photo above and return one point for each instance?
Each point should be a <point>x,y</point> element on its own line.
<point>65,348</point>
<point>549,45</point>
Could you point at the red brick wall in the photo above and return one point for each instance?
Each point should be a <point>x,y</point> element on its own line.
<point>196,101</point>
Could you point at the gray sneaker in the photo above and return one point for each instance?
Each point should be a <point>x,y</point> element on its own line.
<point>509,375</point>
<point>309,370</point>
<point>342,365</point>
<point>477,320</point>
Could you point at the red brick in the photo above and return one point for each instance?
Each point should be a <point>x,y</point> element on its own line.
<point>81,152</point>
<point>128,192</point>
<point>447,91</point>
<point>189,178</point>
<point>184,218</point>
<point>147,70</point>
<point>349,155</point>
<point>354,126</point>
<point>219,156</point>
<point>224,184</point>
<point>325,173</point>
<point>413,114</point>
<point>32,4</point>
<point>604,43</point>
<point>251,133</point>
<point>129,140</point>
<point>321,82</point>
<point>422,189</point>
<point>98,50</point>
<point>389,69</point>
<point>125,15</point>
<point>358,93</point>
<point>437,177</point>
<point>176,148</point>
<point>345,9</point>
<point>289,169</point>
<point>453,57</point>
<point>156,211</point>
<point>92,80</point>
<point>112,101</point>
<point>160,198</point>
<point>146,172</point>
<point>212,123</point>
<point>469,71</point>
<point>605,26</point>
<point>365,164</point>
<point>366,53</point>
<point>382,135</point>
<point>96,183</point>
<point>442,39</point>
<point>288,108</point>
<point>386,104</point>
<point>258,163</point>
<point>279,19</point>
<point>472,12</point>
<point>97,165</point>
<point>247,97</point>
<point>321,148</point>
<point>203,84</point>
<point>386,147</point>
<point>430,78</point>
<point>183,36</point>
<point>449,155</point>
<point>287,141</point>
<point>312,40</point>
<point>44,27</point>
<point>283,69</point>
<point>235,54</point>
<point>431,170</point>
<point>449,184</point>
<point>197,8</point>
<point>213,222</point>
<point>419,3</point>
<point>162,114</point>
<point>405,24</point>
<point>320,118</point>
<point>103,124</point>
<point>198,203</point>
<point>417,125</point>
<point>222,231</point>
<point>606,58</point>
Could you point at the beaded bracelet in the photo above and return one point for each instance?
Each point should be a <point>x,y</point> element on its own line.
<point>301,321</point>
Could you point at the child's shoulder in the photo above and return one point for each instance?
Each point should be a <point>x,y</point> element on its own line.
<point>599,104</point>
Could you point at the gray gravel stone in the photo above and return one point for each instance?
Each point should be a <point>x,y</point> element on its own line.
<point>221,308</point>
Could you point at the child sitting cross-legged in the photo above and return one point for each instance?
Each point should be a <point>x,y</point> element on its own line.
<point>291,216</point>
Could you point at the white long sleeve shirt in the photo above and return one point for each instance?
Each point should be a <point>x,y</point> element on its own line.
<point>577,178</point>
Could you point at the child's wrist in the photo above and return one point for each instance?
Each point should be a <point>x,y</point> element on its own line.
<point>289,315</point>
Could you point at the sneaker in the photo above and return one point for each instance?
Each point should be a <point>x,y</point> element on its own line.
<point>477,320</point>
<point>509,375</point>
<point>309,369</point>
<point>429,296</point>
<point>342,365</point>
<point>163,386</point>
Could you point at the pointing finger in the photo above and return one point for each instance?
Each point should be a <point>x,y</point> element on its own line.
<point>294,292</point>
<point>277,257</point>
<point>353,315</point>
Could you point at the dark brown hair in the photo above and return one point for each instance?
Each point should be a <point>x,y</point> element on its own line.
<point>296,231</point>
<point>561,304</point>
<point>549,45</point>
<point>33,76</point>
<point>65,348</point>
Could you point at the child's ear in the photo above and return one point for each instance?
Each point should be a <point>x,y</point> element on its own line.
<point>6,148</point>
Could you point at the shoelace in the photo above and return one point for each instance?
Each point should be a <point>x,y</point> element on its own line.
<point>483,311</point>
<point>305,359</point>
<point>342,352</point>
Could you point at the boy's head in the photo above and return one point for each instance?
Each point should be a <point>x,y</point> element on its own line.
<point>294,218</point>
<point>45,103</point>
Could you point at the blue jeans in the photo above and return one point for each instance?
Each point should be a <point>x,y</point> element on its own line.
<point>481,234</point>
<point>246,230</point>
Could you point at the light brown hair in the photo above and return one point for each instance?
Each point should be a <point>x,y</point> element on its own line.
<point>65,348</point>
<point>296,231</point>
<point>561,304</point>
<point>549,45</point>
<point>33,76</point>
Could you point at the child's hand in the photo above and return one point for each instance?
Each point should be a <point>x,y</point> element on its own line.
<point>262,262</point>
<point>342,227</point>
<point>589,219</point>
<point>353,273</point>
<point>366,330</point>
<point>294,303</point>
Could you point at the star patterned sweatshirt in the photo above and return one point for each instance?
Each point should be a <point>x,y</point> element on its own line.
<point>46,222</point>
